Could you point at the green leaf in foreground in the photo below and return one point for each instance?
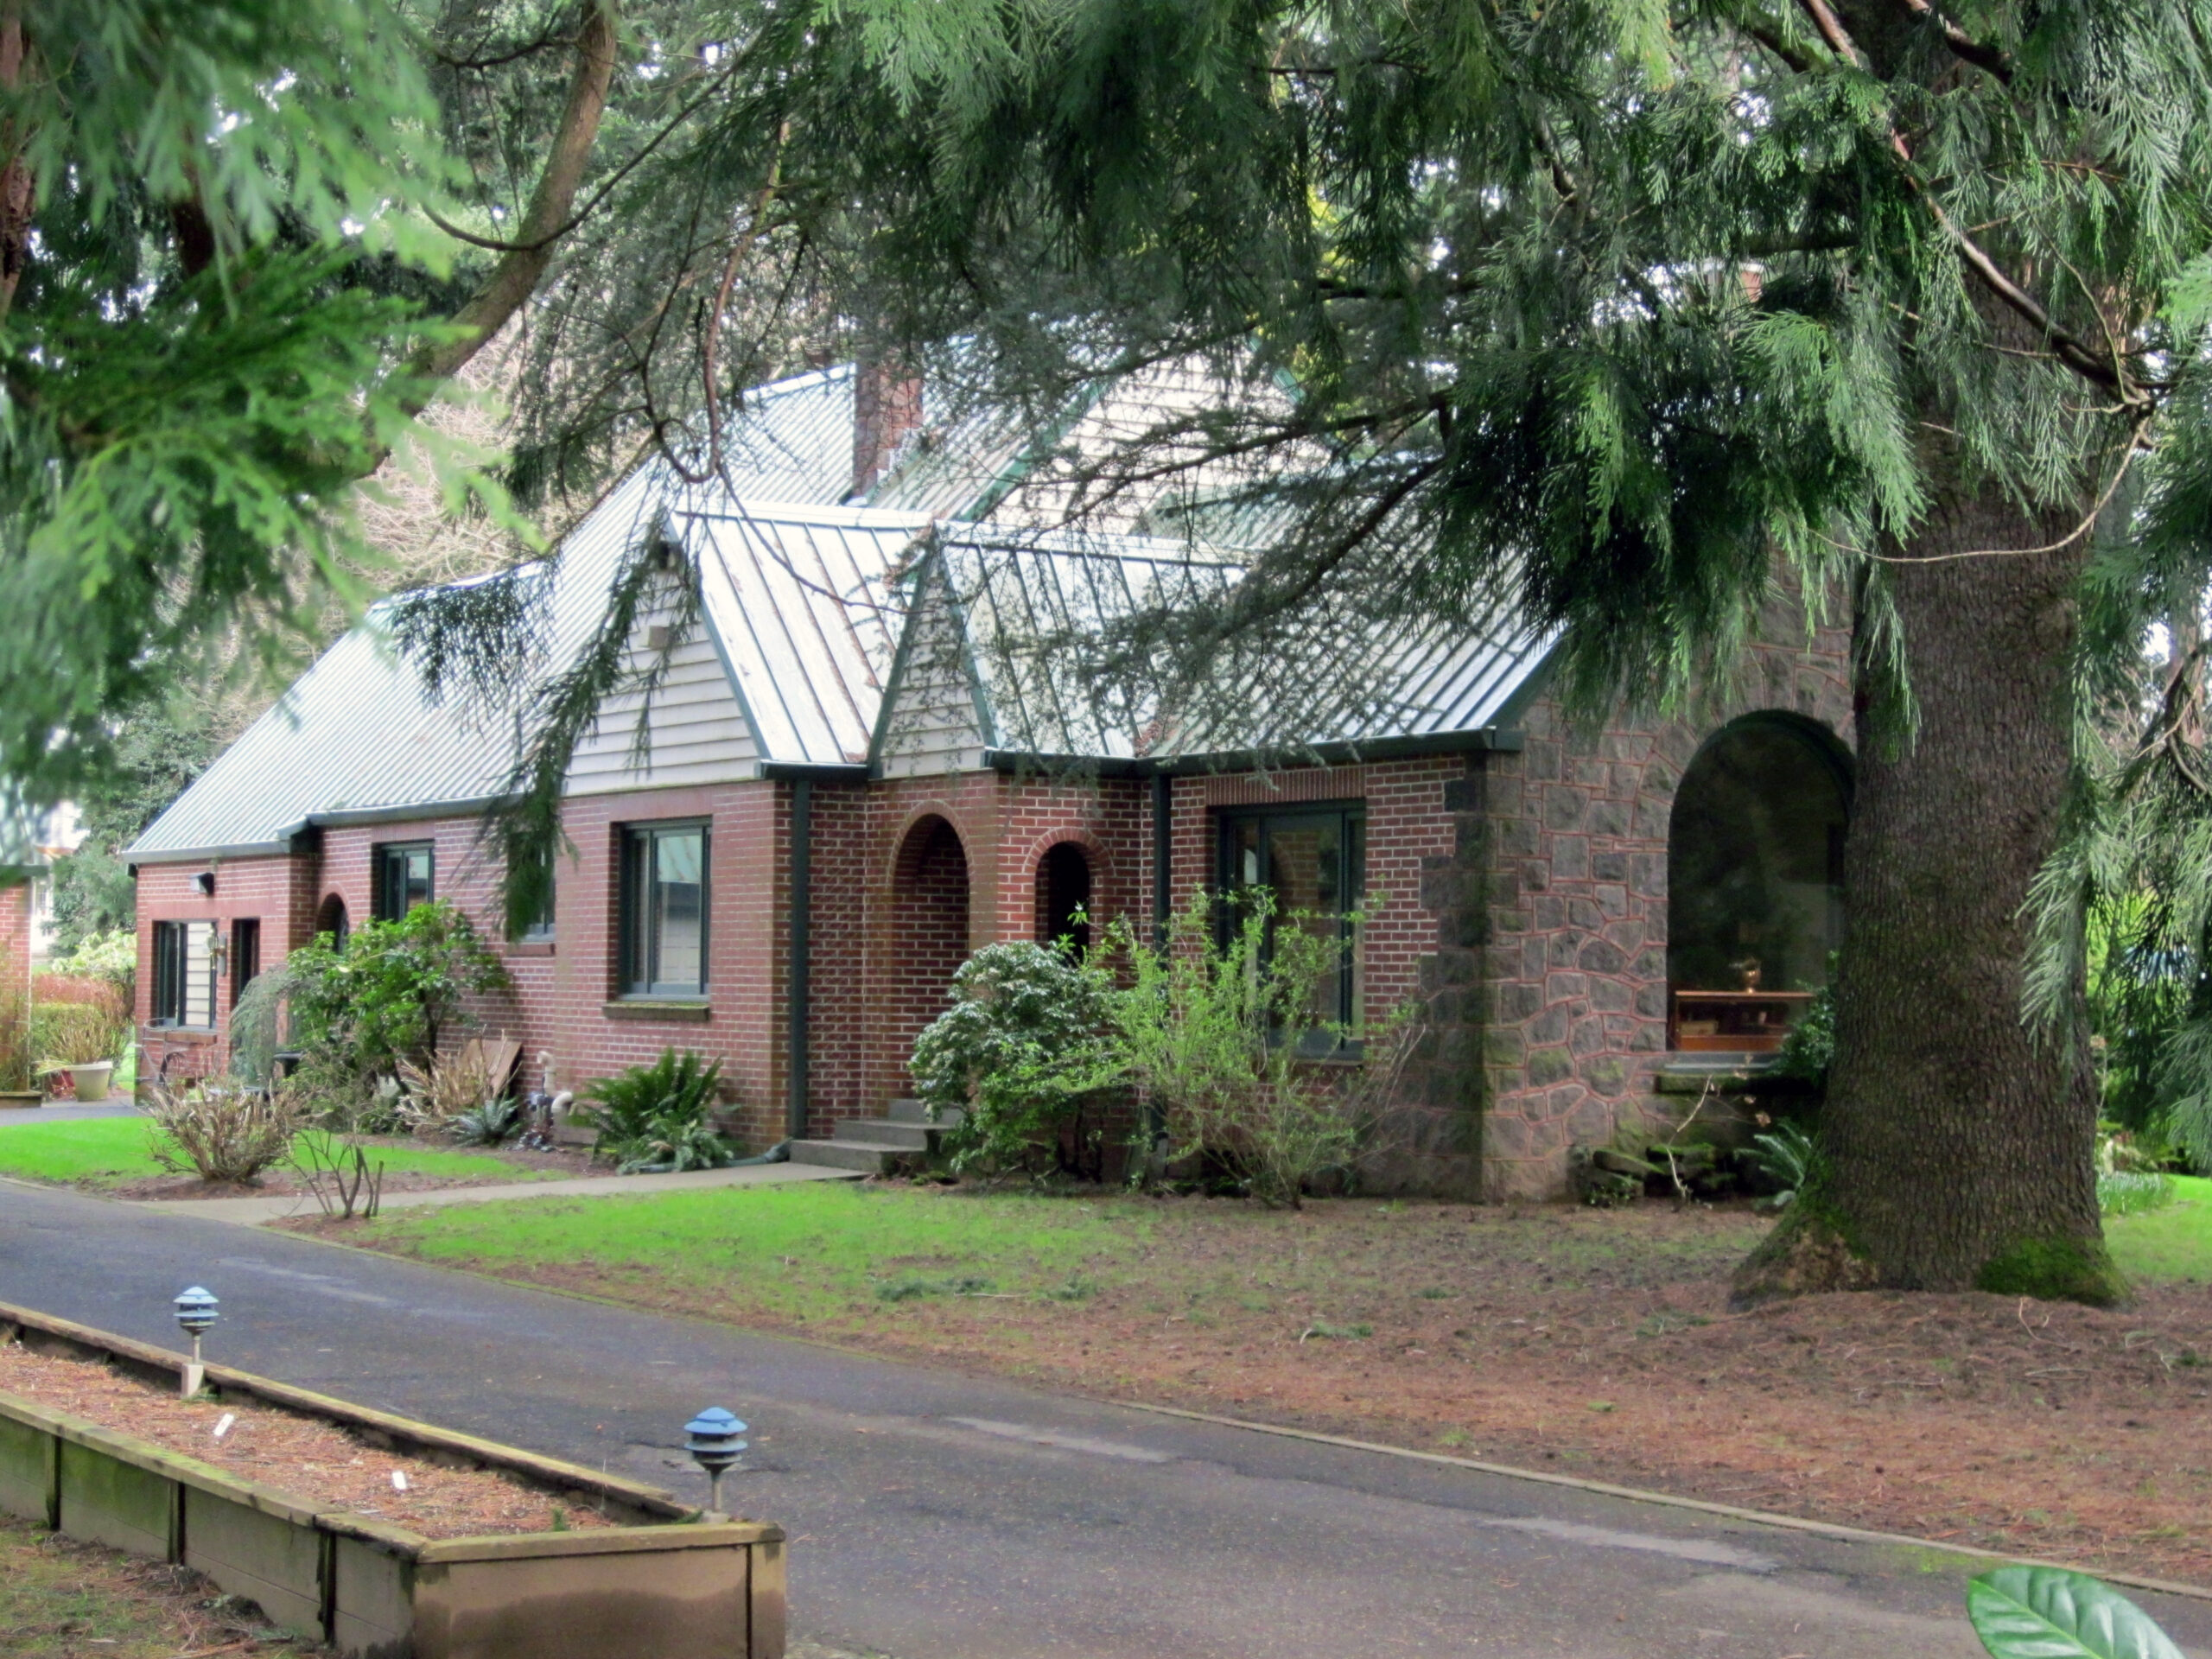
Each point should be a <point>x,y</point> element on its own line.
<point>2047,1612</point>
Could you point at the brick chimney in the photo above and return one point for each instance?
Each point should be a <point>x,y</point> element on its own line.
<point>887,413</point>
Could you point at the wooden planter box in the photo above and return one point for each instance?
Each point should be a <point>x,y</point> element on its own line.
<point>654,1588</point>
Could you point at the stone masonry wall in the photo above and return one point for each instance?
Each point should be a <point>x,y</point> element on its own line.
<point>1573,867</point>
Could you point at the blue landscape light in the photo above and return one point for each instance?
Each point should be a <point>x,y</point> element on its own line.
<point>713,1440</point>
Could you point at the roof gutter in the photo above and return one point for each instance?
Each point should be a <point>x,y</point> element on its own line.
<point>820,771</point>
<point>1502,739</point>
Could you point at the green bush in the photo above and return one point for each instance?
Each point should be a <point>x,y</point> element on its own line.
<point>1214,1028</point>
<point>1027,1021</point>
<point>653,1118</point>
<point>75,1033</point>
<point>395,990</point>
<point>1809,1048</point>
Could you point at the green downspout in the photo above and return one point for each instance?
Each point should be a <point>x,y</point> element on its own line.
<point>802,950</point>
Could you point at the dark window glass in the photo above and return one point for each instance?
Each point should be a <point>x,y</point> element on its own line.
<point>184,973</point>
<point>1314,860</point>
<point>663,912</point>
<point>246,954</point>
<point>403,878</point>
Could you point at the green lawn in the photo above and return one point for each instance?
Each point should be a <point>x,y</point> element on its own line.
<point>104,1150</point>
<point>795,1249</point>
<point>2174,1243</point>
<point>818,1248</point>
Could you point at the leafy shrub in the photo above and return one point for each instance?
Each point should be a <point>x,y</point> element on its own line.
<point>1025,1021</point>
<point>1215,1034</point>
<point>75,1033</point>
<point>222,1135</point>
<point>111,958</point>
<point>653,1118</point>
<point>1809,1046</point>
<point>393,993</point>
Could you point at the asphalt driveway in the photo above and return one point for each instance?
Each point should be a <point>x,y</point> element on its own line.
<point>935,1516</point>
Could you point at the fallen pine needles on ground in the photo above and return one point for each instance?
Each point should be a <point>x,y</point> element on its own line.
<point>1596,1343</point>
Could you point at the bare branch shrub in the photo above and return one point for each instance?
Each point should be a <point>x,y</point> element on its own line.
<point>222,1135</point>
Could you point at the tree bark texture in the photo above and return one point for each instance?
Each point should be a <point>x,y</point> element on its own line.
<point>1958,1142</point>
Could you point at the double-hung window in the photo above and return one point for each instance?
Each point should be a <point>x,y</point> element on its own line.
<point>663,910</point>
<point>1313,860</point>
<point>184,973</point>
<point>403,878</point>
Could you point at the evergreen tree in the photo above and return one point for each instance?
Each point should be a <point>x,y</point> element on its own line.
<point>1646,310</point>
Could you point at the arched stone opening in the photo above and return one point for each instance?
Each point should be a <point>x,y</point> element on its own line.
<point>330,918</point>
<point>929,927</point>
<point>1754,882</point>
<point>1063,903</point>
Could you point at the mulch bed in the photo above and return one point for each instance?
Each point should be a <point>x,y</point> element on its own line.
<point>1601,1344</point>
<point>304,1458</point>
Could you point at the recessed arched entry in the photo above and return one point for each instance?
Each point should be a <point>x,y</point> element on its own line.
<point>1063,896</point>
<point>928,926</point>
<point>1754,880</point>
<point>330,919</point>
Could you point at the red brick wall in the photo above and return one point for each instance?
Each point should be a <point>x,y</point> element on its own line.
<point>276,890</point>
<point>1519,898</point>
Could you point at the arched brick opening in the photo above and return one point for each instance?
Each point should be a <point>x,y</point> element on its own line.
<point>1064,894</point>
<point>1755,881</point>
<point>929,927</point>
<point>330,918</point>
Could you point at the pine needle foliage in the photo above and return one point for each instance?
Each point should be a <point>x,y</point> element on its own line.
<point>196,362</point>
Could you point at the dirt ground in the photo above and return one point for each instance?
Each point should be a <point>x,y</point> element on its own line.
<point>60,1599</point>
<point>300,1456</point>
<point>1601,1344</point>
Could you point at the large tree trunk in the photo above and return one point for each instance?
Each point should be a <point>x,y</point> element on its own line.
<point>1957,1141</point>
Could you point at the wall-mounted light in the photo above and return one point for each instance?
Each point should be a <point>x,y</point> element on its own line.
<point>204,883</point>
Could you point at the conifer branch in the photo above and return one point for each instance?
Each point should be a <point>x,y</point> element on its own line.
<point>517,275</point>
<point>2069,348</point>
<point>1963,45</point>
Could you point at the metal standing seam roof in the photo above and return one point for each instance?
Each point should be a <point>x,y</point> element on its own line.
<point>1021,597</point>
<point>802,599</point>
<point>802,604</point>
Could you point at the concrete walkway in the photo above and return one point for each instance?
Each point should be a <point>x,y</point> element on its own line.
<point>67,1111</point>
<point>252,1212</point>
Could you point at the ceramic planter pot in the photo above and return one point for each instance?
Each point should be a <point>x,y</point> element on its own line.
<point>91,1081</point>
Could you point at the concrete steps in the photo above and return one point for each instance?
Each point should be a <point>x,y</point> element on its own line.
<point>902,1138</point>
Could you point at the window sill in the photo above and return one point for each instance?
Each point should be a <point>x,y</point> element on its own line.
<point>642,1007</point>
<point>185,1034</point>
<point>528,948</point>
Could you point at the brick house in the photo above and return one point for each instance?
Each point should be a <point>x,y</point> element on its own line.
<point>864,758</point>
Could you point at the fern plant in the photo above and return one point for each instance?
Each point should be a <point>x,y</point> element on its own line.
<point>653,1118</point>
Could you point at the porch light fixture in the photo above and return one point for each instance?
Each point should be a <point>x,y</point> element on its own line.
<point>196,1309</point>
<point>712,1439</point>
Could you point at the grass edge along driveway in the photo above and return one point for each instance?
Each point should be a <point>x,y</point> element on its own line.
<point>105,1152</point>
